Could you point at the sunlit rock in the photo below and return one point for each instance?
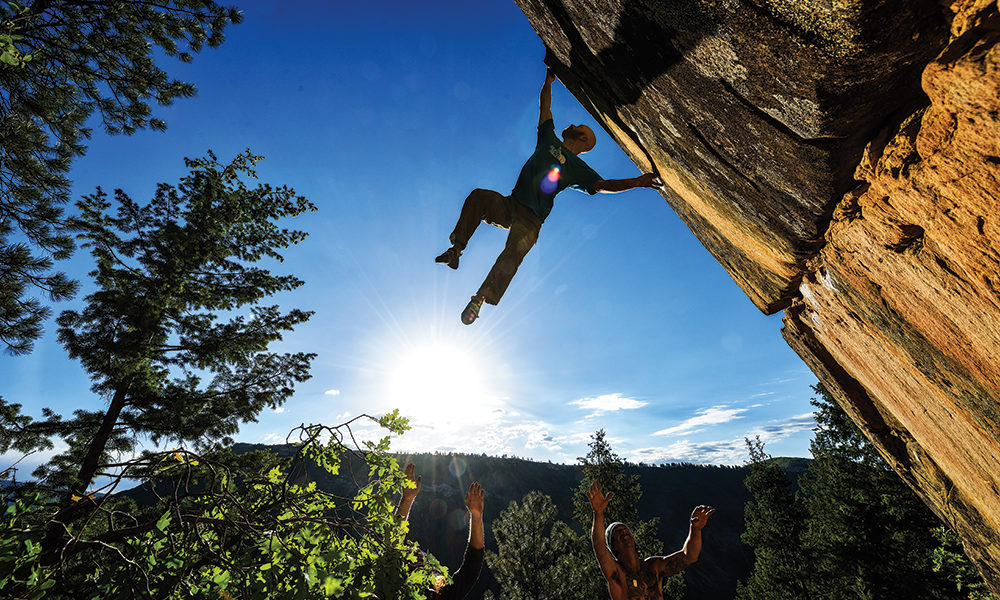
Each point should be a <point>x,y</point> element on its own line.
<point>840,160</point>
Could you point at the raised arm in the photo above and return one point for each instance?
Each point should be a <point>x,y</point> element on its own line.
<point>599,502</point>
<point>474,501</point>
<point>545,97</point>
<point>409,493</point>
<point>611,186</point>
<point>692,545</point>
<point>467,574</point>
<point>673,564</point>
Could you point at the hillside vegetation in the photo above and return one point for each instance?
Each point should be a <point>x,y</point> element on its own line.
<point>438,520</point>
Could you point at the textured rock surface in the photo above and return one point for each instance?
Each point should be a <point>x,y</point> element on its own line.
<point>797,145</point>
<point>754,113</point>
<point>900,311</point>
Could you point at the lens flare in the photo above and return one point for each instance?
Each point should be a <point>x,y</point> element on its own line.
<point>458,519</point>
<point>551,180</point>
<point>457,467</point>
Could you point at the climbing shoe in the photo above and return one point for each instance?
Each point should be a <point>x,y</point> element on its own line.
<point>449,257</point>
<point>471,312</point>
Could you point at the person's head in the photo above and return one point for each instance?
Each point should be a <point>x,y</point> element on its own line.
<point>619,540</point>
<point>579,138</point>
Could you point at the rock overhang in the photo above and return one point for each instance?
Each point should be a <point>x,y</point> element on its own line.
<point>753,113</point>
<point>796,143</point>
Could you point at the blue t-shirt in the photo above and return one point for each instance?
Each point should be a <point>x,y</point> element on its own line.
<point>551,169</point>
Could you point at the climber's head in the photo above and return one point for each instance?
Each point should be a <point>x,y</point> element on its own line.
<point>620,541</point>
<point>579,138</point>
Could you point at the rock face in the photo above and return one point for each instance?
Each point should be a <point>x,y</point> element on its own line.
<point>842,161</point>
<point>900,311</point>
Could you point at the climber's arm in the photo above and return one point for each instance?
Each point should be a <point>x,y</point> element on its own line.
<point>611,186</point>
<point>545,97</point>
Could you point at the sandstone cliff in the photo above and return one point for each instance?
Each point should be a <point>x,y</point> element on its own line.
<point>841,161</point>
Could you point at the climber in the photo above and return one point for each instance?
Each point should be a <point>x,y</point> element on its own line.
<point>466,575</point>
<point>628,577</point>
<point>554,166</point>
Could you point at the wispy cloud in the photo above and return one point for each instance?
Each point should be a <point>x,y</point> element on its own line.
<point>782,428</point>
<point>279,409</point>
<point>608,403</point>
<point>331,393</point>
<point>508,433</point>
<point>532,435</point>
<point>26,463</point>
<point>706,416</point>
<point>272,438</point>
<point>721,452</point>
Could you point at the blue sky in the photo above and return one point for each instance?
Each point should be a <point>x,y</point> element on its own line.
<point>386,115</point>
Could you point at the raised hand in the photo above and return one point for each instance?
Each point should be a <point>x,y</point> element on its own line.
<point>549,58</point>
<point>550,75</point>
<point>700,515</point>
<point>598,501</point>
<point>475,499</point>
<point>409,493</point>
<point>648,180</point>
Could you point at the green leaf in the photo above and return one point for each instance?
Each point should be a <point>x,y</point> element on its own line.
<point>332,586</point>
<point>275,475</point>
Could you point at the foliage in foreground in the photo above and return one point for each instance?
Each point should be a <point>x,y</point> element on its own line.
<point>176,339</point>
<point>261,531</point>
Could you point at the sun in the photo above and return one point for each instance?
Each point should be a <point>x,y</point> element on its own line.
<point>438,382</point>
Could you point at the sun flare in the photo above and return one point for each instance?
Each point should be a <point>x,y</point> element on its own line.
<point>438,382</point>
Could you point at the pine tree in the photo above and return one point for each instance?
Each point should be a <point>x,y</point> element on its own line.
<point>949,559</point>
<point>854,530</point>
<point>62,62</point>
<point>175,337</point>
<point>775,520</point>
<point>537,557</point>
<point>602,464</point>
<point>869,534</point>
<point>542,558</point>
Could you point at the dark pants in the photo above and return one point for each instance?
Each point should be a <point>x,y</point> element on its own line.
<point>506,213</point>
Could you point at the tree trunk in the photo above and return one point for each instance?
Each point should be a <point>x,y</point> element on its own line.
<point>55,537</point>
<point>88,468</point>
